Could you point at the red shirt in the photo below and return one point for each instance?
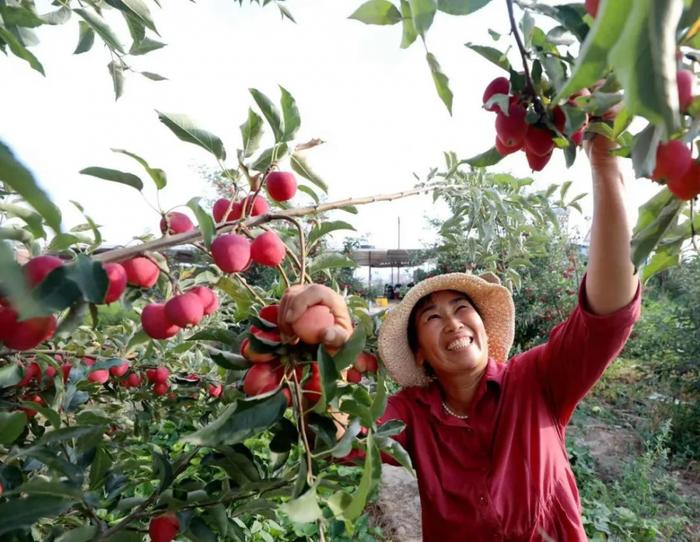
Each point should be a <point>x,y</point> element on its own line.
<point>504,474</point>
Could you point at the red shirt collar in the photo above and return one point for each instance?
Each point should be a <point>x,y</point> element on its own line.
<point>431,395</point>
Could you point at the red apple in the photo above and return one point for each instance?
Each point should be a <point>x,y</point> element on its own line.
<point>267,249</point>
<point>215,390</point>
<point>354,375</point>
<point>537,162</point>
<point>26,334</point>
<point>673,159</point>
<point>366,362</point>
<point>164,528</point>
<point>116,276</point>
<point>309,327</point>
<point>185,310</point>
<point>281,185</point>
<point>119,370</point>
<point>99,376</point>
<point>141,272</point>
<point>312,386</point>
<point>538,141</point>
<point>687,186</point>
<point>269,314</point>
<point>262,378</point>
<point>37,268</point>
<point>231,252</point>
<point>175,222</point>
<point>511,129</point>
<point>160,388</point>
<point>208,298</point>
<point>251,355</point>
<point>500,85</point>
<point>685,80</point>
<point>156,324</point>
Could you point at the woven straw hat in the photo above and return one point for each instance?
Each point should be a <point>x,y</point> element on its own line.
<point>494,302</point>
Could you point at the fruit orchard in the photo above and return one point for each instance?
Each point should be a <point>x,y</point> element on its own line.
<point>142,396</point>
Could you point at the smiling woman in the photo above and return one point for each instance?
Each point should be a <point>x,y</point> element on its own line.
<point>485,433</point>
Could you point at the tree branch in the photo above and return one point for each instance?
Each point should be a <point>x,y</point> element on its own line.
<point>195,235</point>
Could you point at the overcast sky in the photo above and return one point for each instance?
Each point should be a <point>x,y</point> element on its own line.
<point>373,103</point>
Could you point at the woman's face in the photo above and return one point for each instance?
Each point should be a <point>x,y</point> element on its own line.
<point>451,335</point>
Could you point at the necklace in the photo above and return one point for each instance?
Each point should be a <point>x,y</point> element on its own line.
<point>460,416</point>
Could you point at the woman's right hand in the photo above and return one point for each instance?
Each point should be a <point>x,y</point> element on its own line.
<point>297,299</point>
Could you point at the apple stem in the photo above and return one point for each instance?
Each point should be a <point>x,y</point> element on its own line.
<point>302,246</point>
<point>523,55</point>
<point>300,416</point>
<point>248,287</point>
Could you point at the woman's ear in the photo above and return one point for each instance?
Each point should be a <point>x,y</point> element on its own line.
<point>420,357</point>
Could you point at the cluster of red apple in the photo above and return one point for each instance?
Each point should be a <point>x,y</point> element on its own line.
<point>513,133</point>
<point>27,334</point>
<point>365,363</point>
<point>267,371</point>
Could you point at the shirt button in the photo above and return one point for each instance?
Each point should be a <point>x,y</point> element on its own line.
<point>482,500</point>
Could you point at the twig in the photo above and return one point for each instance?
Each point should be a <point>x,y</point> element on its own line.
<point>248,287</point>
<point>523,55</point>
<point>302,247</point>
<point>299,398</point>
<point>284,275</point>
<point>196,235</point>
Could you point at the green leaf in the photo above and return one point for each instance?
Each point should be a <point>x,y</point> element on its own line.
<point>655,217</point>
<point>329,378</point>
<point>330,260</point>
<point>488,158</point>
<point>90,277</point>
<point>269,157</point>
<point>442,83</point>
<point>380,398</point>
<point>59,16</point>
<point>86,38</point>
<point>371,473</point>
<point>592,60</point>
<point>199,531</point>
<point>153,76</point>
<point>37,486</point>
<point>644,150</point>
<point>240,421</point>
<point>114,175</point>
<point>19,16</point>
<point>309,192</point>
<point>68,433</point>
<point>20,179</point>
<point>116,71</point>
<point>204,219</point>
<point>461,7</point>
<point>303,509</point>
<point>31,218</point>
<point>138,9</point>
<point>10,375</point>
<point>24,512</point>
<point>423,13</point>
<point>300,166</point>
<point>645,63</point>
<point>251,132</point>
<point>11,425</point>
<point>146,45</point>
<point>101,28</point>
<point>20,50</point>
<point>57,291</point>
<point>220,334</point>
<point>320,230</point>
<point>270,113</point>
<point>661,260</point>
<point>13,282</point>
<point>344,445</point>
<point>290,113</point>
<point>81,534</point>
<point>185,130</point>
<point>62,241</point>
<point>491,54</point>
<point>409,33</point>
<point>348,353</point>
<point>395,450</point>
<point>380,12</point>
<point>158,175</point>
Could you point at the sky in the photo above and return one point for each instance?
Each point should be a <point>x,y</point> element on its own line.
<point>373,103</point>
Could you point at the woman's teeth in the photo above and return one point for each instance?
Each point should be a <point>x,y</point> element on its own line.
<point>460,344</point>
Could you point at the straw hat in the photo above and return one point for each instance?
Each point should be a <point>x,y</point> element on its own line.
<point>494,302</point>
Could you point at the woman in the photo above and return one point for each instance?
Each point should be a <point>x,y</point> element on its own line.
<point>486,434</point>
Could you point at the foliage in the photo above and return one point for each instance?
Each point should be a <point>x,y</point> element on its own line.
<point>98,459</point>
<point>642,505</point>
<point>578,62</point>
<point>497,224</point>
